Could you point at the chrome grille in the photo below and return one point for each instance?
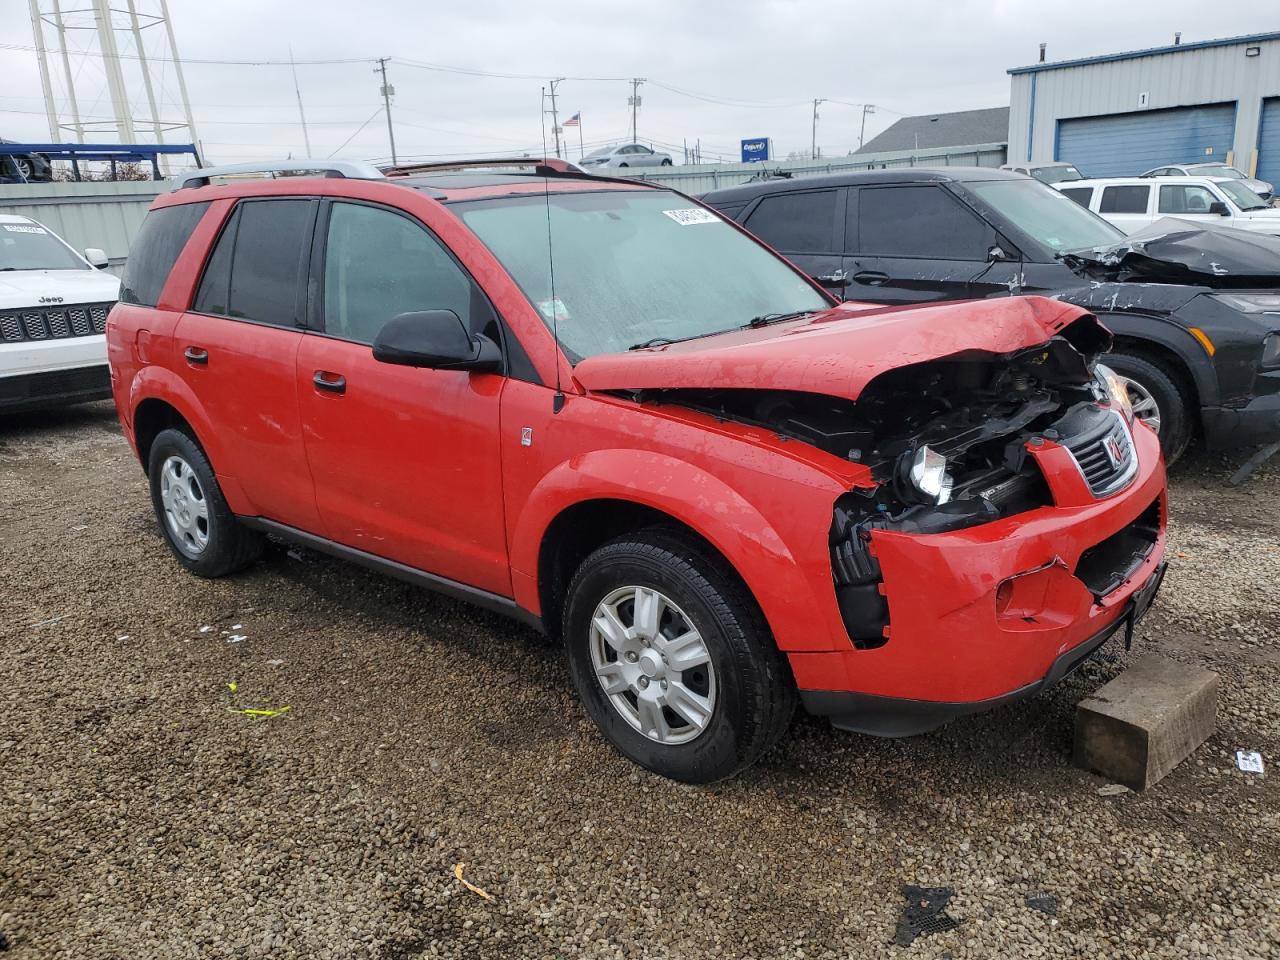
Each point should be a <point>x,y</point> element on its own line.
<point>55,323</point>
<point>1105,455</point>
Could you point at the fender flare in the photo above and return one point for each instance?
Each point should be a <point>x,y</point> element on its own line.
<point>1177,339</point>
<point>715,511</point>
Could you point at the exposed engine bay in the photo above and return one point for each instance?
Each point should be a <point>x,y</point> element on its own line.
<point>945,440</point>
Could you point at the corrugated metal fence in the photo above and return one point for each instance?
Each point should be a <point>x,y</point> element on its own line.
<point>104,215</point>
<point>108,215</point>
<point>704,177</point>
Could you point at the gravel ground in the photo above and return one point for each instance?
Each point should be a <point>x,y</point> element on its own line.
<point>141,817</point>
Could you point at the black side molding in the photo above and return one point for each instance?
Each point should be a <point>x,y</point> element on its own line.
<point>420,578</point>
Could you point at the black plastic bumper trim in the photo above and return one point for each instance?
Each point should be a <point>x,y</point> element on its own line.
<point>1256,423</point>
<point>900,717</point>
<point>54,388</point>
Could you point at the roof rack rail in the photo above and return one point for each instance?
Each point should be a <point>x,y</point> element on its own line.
<point>540,165</point>
<point>348,169</point>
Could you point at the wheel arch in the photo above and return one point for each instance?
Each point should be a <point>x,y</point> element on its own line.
<point>159,399</point>
<point>1170,347</point>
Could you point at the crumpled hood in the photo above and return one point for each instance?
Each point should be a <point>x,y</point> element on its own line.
<point>1179,251</point>
<point>25,288</point>
<point>836,352</point>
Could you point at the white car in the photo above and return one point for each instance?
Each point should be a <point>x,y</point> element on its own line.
<point>1132,203</point>
<point>1215,170</point>
<point>624,155</point>
<point>53,312</point>
<point>1051,173</point>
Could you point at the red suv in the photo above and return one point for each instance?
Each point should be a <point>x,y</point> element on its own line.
<point>602,408</point>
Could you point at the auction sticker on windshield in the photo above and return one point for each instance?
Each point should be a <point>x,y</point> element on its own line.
<point>691,215</point>
<point>19,228</point>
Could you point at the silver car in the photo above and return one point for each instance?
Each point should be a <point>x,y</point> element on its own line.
<point>1260,187</point>
<point>624,155</point>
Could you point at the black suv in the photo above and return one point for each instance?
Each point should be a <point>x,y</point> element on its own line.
<point>1197,341</point>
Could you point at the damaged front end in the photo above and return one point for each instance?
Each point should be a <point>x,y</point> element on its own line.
<point>947,443</point>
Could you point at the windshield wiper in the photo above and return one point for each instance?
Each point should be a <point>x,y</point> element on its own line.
<point>767,318</point>
<point>655,342</point>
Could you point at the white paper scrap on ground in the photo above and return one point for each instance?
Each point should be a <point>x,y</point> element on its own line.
<point>236,638</point>
<point>1250,761</point>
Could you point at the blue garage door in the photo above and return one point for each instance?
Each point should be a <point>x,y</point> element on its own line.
<point>1269,142</point>
<point>1127,144</point>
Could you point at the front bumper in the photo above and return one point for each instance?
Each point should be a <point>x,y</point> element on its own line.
<point>900,717</point>
<point>54,388</point>
<point>950,642</point>
<point>1255,423</point>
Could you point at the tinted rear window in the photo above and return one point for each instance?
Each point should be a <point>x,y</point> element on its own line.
<point>256,270</point>
<point>797,222</point>
<point>155,250</point>
<point>1081,195</point>
<point>1131,199</point>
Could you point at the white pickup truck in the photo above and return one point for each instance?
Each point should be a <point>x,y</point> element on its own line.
<point>53,313</point>
<point>1132,203</point>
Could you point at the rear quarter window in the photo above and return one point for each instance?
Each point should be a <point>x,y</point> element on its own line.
<point>1081,195</point>
<point>155,250</point>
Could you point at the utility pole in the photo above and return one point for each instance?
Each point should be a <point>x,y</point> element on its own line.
<point>387,91</point>
<point>306,139</point>
<point>866,108</point>
<point>634,103</point>
<point>813,144</point>
<point>555,117</point>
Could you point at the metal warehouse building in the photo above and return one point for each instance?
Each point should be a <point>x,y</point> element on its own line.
<point>1122,114</point>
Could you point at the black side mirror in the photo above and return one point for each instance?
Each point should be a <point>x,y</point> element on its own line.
<point>1219,208</point>
<point>437,339</point>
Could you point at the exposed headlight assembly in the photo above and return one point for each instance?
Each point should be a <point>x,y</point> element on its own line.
<point>1250,302</point>
<point>928,475</point>
<point>1116,390</point>
<point>1271,350</point>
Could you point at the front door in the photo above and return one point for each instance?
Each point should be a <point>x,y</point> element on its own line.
<point>239,344</point>
<point>405,460</point>
<point>918,243</point>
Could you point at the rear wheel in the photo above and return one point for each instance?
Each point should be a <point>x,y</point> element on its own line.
<point>672,659</point>
<point>197,524</point>
<point>1158,400</point>
<point>666,163</point>
<point>624,165</point>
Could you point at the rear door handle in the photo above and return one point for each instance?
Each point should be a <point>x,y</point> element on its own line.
<point>871,277</point>
<point>330,382</point>
<point>196,355</point>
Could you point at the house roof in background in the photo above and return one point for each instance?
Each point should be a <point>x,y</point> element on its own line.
<point>943,130</point>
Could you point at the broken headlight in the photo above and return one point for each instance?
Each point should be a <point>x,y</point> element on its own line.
<point>928,475</point>
<point>1115,389</point>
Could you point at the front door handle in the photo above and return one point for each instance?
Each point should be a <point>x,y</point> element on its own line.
<point>330,382</point>
<point>871,278</point>
<point>197,355</point>
<point>837,279</point>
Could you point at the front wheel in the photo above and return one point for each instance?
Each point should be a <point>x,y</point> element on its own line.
<point>666,163</point>
<point>673,660</point>
<point>197,524</point>
<point>1158,401</point>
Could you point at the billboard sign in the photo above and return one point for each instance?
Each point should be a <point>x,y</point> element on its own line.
<point>758,148</point>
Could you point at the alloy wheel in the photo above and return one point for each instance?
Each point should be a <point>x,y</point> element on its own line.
<point>1144,403</point>
<point>653,664</point>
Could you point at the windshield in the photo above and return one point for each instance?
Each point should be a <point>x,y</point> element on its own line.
<point>1045,215</point>
<point>1056,174</point>
<point>1244,198</point>
<point>29,246</point>
<point>635,266</point>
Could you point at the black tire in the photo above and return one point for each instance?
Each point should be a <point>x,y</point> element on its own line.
<point>755,694</point>
<point>623,165</point>
<point>666,163</point>
<point>231,546</point>
<point>1171,398</point>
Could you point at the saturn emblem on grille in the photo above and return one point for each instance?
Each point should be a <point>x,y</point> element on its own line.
<point>1114,453</point>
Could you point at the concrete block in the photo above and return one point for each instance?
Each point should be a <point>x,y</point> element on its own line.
<point>1146,721</point>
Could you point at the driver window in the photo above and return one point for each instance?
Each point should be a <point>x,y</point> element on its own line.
<point>378,265</point>
<point>1185,198</point>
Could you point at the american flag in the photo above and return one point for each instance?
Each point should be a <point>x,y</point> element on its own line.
<point>574,121</point>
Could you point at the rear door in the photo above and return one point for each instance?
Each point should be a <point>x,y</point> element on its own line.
<point>1127,205</point>
<point>237,348</point>
<point>807,227</point>
<point>406,460</point>
<point>917,243</point>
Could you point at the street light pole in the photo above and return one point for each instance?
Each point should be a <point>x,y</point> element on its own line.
<point>555,117</point>
<point>634,103</point>
<point>813,144</point>
<point>866,108</point>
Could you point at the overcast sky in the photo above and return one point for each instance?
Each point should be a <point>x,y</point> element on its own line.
<point>717,70</point>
